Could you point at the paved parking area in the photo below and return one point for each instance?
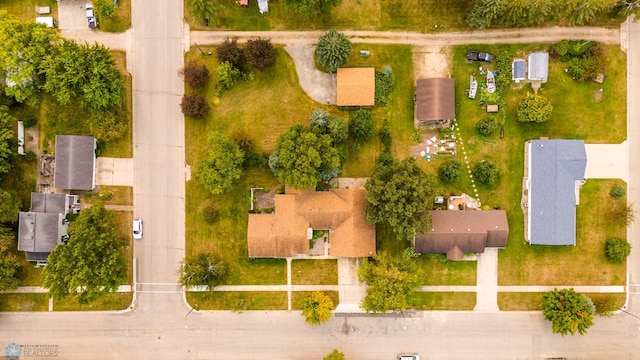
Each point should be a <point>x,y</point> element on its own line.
<point>114,171</point>
<point>72,15</point>
<point>607,161</point>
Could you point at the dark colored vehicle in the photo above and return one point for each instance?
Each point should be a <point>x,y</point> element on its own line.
<point>479,56</point>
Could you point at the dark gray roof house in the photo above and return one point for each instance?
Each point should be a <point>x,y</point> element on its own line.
<point>456,233</point>
<point>518,70</point>
<point>435,102</point>
<point>43,228</point>
<point>539,66</point>
<point>75,162</point>
<point>555,174</point>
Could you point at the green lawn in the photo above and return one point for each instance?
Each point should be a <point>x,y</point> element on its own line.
<point>25,10</point>
<point>520,263</point>
<point>314,272</point>
<point>124,220</point>
<point>533,301</point>
<point>238,300</point>
<point>112,301</point>
<point>111,195</point>
<point>121,21</point>
<point>297,296</point>
<point>444,300</point>
<point>24,302</point>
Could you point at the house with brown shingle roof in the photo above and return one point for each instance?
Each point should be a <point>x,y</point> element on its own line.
<point>355,87</point>
<point>285,232</point>
<point>456,233</point>
<point>435,103</point>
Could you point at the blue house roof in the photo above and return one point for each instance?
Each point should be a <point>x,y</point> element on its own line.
<point>554,168</point>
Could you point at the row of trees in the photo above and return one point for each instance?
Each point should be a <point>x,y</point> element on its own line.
<point>486,13</point>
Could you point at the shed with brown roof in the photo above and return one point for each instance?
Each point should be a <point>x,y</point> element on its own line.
<point>283,233</point>
<point>355,87</point>
<point>456,233</point>
<point>435,102</point>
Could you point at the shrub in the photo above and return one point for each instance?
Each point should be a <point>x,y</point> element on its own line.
<point>624,215</point>
<point>194,105</point>
<point>227,76</point>
<point>195,75</point>
<point>384,85</point>
<point>361,125</point>
<point>385,136</point>
<point>605,304</point>
<point>534,108</point>
<point>104,8</point>
<point>230,52</point>
<point>617,192</point>
<point>450,171</point>
<point>486,172</point>
<point>30,156</point>
<point>337,129</point>
<point>617,250</point>
<point>318,121</point>
<point>210,214</point>
<point>487,126</point>
<point>260,53</point>
<point>333,50</point>
<point>29,122</point>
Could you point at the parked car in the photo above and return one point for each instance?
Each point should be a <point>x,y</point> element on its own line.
<point>91,17</point>
<point>479,56</point>
<point>409,357</point>
<point>137,228</point>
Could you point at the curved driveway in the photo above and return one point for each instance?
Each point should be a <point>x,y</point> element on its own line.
<point>161,327</point>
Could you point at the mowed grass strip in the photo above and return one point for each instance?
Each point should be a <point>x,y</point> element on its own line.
<point>528,301</point>
<point>314,272</point>
<point>111,301</point>
<point>297,296</point>
<point>24,302</point>
<point>120,21</point>
<point>231,300</point>
<point>444,300</point>
<point>120,195</point>
<point>123,227</point>
<point>577,116</point>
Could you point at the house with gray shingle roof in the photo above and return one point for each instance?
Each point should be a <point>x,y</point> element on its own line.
<point>555,173</point>
<point>75,162</point>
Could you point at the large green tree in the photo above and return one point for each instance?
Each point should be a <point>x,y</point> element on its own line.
<point>9,206</point>
<point>202,269</point>
<point>302,158</point>
<point>398,194</point>
<point>9,264</point>
<point>91,263</point>
<point>24,46</point>
<point>104,8</point>
<point>486,172</point>
<point>83,73</point>
<point>8,143</point>
<point>534,108</point>
<point>392,281</point>
<point>568,311</point>
<point>333,50</point>
<point>203,10</point>
<point>316,308</point>
<point>310,7</point>
<point>223,165</point>
<point>484,13</point>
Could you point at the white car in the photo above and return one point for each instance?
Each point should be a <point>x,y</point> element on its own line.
<point>409,357</point>
<point>137,228</point>
<point>91,17</point>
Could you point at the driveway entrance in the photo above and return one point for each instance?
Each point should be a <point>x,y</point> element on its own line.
<point>607,161</point>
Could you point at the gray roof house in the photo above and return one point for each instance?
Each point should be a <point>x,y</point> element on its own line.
<point>75,162</point>
<point>44,227</point>
<point>539,66</point>
<point>518,70</point>
<point>456,233</point>
<point>554,176</point>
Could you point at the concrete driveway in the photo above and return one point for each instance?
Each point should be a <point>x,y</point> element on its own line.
<point>320,86</point>
<point>607,161</point>
<point>114,171</point>
<point>72,15</point>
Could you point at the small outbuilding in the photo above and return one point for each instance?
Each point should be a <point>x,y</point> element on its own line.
<point>435,104</point>
<point>539,66</point>
<point>356,87</point>
<point>518,70</point>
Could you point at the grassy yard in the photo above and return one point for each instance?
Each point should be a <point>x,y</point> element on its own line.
<point>297,296</point>
<point>124,220</point>
<point>444,300</point>
<point>112,301</point>
<point>111,195</point>
<point>121,21</point>
<point>520,263</point>
<point>24,302</point>
<point>314,272</point>
<point>532,301</point>
<point>25,10</point>
<point>238,300</point>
